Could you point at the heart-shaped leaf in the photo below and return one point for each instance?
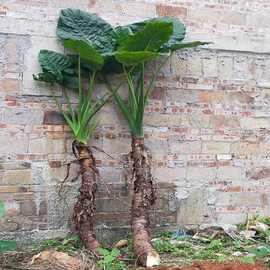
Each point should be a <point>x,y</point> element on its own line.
<point>150,38</point>
<point>54,63</point>
<point>86,52</point>
<point>76,24</point>
<point>144,45</point>
<point>57,68</point>
<point>178,34</point>
<point>133,58</point>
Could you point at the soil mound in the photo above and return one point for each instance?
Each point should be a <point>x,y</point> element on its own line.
<point>216,266</point>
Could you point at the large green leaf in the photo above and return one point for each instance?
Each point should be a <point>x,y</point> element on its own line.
<point>54,63</point>
<point>46,77</point>
<point>150,38</point>
<point>59,68</point>
<point>178,34</point>
<point>144,45</point>
<point>67,80</point>
<point>86,52</point>
<point>122,32</point>
<point>80,25</point>
<point>133,58</point>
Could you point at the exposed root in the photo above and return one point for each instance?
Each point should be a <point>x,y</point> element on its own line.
<point>84,209</point>
<point>143,199</point>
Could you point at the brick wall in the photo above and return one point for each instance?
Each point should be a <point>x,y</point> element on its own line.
<point>207,122</point>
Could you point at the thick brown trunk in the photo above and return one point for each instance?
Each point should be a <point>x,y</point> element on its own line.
<point>84,209</point>
<point>143,199</point>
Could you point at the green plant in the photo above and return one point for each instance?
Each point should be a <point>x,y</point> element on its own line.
<point>164,246</point>
<point>91,41</point>
<point>165,234</point>
<point>261,251</point>
<point>137,46</point>
<point>80,119</point>
<point>2,209</point>
<point>249,259</point>
<point>70,244</point>
<point>265,220</point>
<point>7,245</point>
<point>91,45</point>
<point>101,49</point>
<point>215,245</point>
<point>109,260</point>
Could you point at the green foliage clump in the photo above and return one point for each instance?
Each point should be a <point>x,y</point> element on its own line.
<point>110,260</point>
<point>70,244</point>
<point>217,247</point>
<point>89,39</point>
<point>138,45</point>
<point>98,49</point>
<point>164,246</point>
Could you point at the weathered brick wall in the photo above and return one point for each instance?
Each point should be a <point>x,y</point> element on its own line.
<point>207,123</point>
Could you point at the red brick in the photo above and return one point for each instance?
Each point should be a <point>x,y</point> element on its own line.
<point>158,93</point>
<point>28,208</point>
<point>91,3</point>
<point>55,163</point>
<point>53,118</point>
<point>173,11</point>
<point>9,85</point>
<point>259,174</point>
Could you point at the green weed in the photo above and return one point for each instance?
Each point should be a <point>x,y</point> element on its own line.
<point>164,246</point>
<point>110,260</point>
<point>71,244</point>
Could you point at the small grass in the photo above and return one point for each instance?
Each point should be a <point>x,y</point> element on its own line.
<point>223,248</point>
<point>70,245</point>
<point>110,260</point>
<point>179,248</point>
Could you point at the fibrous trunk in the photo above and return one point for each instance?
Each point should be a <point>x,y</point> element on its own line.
<point>143,199</point>
<point>84,209</point>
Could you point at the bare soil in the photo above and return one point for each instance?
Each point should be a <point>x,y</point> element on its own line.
<point>20,260</point>
<point>47,260</point>
<point>216,266</point>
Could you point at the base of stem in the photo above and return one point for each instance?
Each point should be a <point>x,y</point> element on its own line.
<point>152,259</point>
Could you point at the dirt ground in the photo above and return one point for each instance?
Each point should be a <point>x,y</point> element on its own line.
<point>21,260</point>
<point>15,261</point>
<point>216,266</point>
